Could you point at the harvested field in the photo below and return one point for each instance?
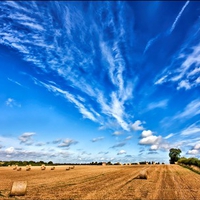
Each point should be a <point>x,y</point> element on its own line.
<point>103,182</point>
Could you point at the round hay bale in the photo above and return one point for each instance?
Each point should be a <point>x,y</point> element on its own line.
<point>142,175</point>
<point>19,169</point>
<point>52,168</point>
<point>68,168</point>
<point>18,188</point>
<point>28,169</point>
<point>14,168</point>
<point>43,168</point>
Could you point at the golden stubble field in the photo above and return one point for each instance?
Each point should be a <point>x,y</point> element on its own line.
<point>103,182</point>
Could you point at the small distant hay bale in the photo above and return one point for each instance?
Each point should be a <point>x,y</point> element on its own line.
<point>28,167</point>
<point>18,188</point>
<point>14,168</point>
<point>19,169</point>
<point>52,168</point>
<point>43,167</point>
<point>68,168</point>
<point>142,175</point>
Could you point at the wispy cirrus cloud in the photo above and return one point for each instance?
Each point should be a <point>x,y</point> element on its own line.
<point>116,133</point>
<point>71,98</point>
<point>187,75</point>
<point>15,82</point>
<point>121,144</point>
<point>169,136</point>
<point>178,16</point>
<point>192,129</point>
<point>68,61</point>
<point>192,109</point>
<point>159,104</point>
<point>97,139</point>
<point>150,43</point>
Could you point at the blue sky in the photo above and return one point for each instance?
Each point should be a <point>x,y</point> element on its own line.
<point>99,81</point>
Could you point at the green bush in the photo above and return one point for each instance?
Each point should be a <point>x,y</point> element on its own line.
<point>189,161</point>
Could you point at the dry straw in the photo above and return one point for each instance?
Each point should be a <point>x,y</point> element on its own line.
<point>19,169</point>
<point>68,168</point>
<point>52,168</point>
<point>18,188</point>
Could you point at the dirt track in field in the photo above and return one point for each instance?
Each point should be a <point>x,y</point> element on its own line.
<point>103,182</point>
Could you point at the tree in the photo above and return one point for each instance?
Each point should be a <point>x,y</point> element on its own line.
<point>50,163</point>
<point>174,155</point>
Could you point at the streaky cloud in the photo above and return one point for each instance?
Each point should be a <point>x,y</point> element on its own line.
<point>178,16</point>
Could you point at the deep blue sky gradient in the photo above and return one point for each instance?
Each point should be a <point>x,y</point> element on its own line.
<point>99,81</point>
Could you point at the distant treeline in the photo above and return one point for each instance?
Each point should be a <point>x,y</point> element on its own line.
<point>189,161</point>
<point>39,163</point>
<point>24,163</point>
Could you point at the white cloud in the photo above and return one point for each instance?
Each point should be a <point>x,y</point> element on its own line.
<point>10,150</point>
<point>149,140</point>
<point>184,84</point>
<point>197,146</point>
<point>159,104</point>
<point>67,143</point>
<point>155,142</point>
<point>121,152</point>
<point>161,80</point>
<point>154,147</point>
<point>169,136</point>
<point>97,139</point>
<point>193,152</point>
<point>197,80</point>
<point>128,138</point>
<point>192,109</point>
<point>12,103</point>
<point>192,129</point>
<point>121,144</point>
<point>26,138</point>
<point>115,109</point>
<point>82,109</point>
<point>146,133</point>
<point>150,42</point>
<point>137,126</point>
<point>17,83</point>
<point>186,76</point>
<point>116,133</point>
<point>178,16</point>
<point>194,72</point>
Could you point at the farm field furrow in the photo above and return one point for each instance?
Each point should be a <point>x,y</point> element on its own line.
<point>103,182</point>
